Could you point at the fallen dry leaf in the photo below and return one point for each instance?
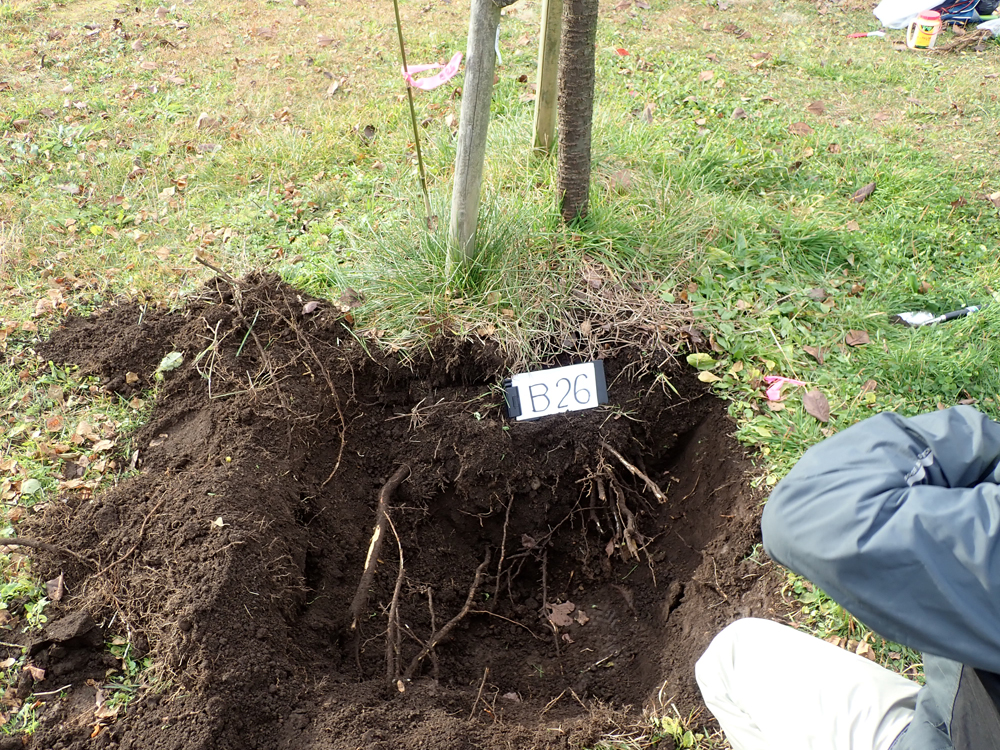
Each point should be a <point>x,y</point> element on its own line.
<point>833,148</point>
<point>800,128</point>
<point>816,404</point>
<point>852,226</point>
<point>861,195</point>
<point>865,650</point>
<point>857,338</point>
<point>739,114</point>
<point>816,352</point>
<point>310,307</point>
<point>559,614</point>
<point>816,108</point>
<point>36,672</point>
<point>869,386</point>
<point>706,75</point>
<point>54,424</point>
<point>54,589</point>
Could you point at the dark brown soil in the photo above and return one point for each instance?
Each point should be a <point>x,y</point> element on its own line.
<point>234,554</point>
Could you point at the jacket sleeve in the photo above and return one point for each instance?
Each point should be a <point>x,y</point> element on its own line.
<point>898,520</point>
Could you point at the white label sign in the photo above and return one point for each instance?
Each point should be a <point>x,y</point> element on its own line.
<point>562,389</point>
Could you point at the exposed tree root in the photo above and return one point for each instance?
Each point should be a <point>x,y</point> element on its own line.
<point>659,494</point>
<point>448,626</point>
<point>360,601</point>
<point>33,544</point>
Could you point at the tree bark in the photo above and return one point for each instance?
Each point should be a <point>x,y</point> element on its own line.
<point>477,92</point>
<point>576,106</point>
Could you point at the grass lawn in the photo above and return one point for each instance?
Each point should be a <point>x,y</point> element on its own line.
<point>730,141</point>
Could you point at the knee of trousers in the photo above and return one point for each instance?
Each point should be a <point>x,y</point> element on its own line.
<point>718,661</point>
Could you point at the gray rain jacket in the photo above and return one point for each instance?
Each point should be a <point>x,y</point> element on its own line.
<point>898,520</point>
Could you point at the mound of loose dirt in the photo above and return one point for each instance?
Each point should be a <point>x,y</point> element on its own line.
<point>545,596</point>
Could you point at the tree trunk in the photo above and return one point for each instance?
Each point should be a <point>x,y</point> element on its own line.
<point>477,92</point>
<point>576,106</point>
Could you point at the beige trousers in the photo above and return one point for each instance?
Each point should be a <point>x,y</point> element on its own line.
<point>775,688</point>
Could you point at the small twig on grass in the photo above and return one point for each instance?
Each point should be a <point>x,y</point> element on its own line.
<point>360,602</point>
<point>435,639</point>
<point>60,551</point>
<point>211,266</point>
<point>653,486</point>
<point>479,695</point>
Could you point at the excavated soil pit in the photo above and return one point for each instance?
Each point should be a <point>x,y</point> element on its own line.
<point>234,554</point>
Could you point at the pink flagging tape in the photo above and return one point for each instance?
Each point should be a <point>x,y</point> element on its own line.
<point>773,391</point>
<point>432,82</point>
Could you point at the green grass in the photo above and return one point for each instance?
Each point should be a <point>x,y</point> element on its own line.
<point>115,179</point>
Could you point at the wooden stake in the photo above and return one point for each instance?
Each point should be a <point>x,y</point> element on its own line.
<point>477,92</point>
<point>544,136</point>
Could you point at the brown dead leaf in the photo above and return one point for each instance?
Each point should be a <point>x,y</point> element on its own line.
<point>995,199</point>
<point>739,114</point>
<point>324,40</point>
<point>642,5</point>
<point>816,352</point>
<point>581,618</point>
<point>869,387</point>
<point>862,193</point>
<point>103,445</point>
<point>816,108</point>
<point>36,672</point>
<point>559,614</point>
<point>857,338</point>
<point>833,148</point>
<point>800,128</point>
<point>54,589</point>
<point>852,226</point>
<point>865,650</point>
<point>818,294</point>
<point>310,307</point>
<point>54,424</point>
<point>706,75</point>
<point>816,404</point>
<point>647,112</point>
